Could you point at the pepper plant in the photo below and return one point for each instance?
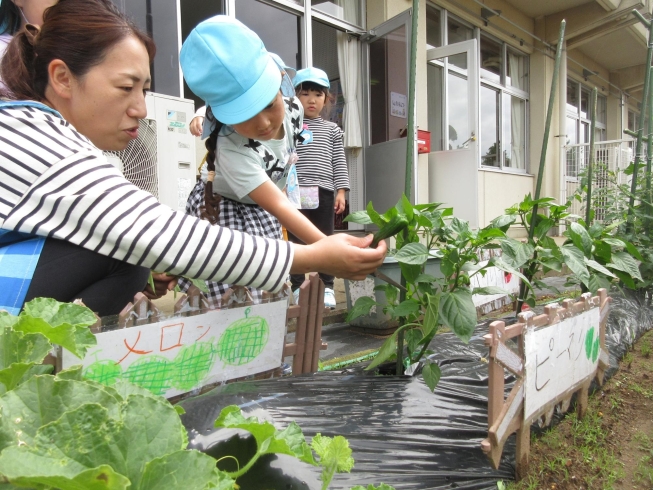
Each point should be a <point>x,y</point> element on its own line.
<point>432,232</point>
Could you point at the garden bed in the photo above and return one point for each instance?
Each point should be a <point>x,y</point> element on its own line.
<point>400,433</point>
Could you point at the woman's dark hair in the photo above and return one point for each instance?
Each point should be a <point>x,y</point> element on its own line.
<point>210,210</point>
<point>317,88</point>
<point>77,32</point>
<point>10,18</point>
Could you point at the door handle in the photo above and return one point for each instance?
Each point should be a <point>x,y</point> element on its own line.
<point>472,137</point>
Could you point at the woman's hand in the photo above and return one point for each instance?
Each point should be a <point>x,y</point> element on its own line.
<point>196,126</point>
<point>162,284</point>
<point>339,202</point>
<point>339,255</point>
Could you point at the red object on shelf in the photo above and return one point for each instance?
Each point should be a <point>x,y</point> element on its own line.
<point>423,141</point>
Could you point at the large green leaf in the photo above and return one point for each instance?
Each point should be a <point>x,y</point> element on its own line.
<point>622,261</point>
<point>431,374</point>
<point>20,347</point>
<point>88,437</point>
<point>504,221</point>
<point>597,282</point>
<point>431,315</point>
<point>406,308</point>
<point>65,324</point>
<point>362,307</point>
<point>151,429</point>
<point>10,377</point>
<point>593,264</point>
<point>516,253</point>
<point>360,217</point>
<point>457,311</point>
<point>43,399</point>
<point>387,350</point>
<point>183,470</point>
<point>376,218</point>
<point>575,260</point>
<point>581,239</point>
<point>101,478</point>
<point>269,440</point>
<point>412,253</point>
<point>56,313</point>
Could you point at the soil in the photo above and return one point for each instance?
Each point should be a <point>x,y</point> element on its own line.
<point>613,446</point>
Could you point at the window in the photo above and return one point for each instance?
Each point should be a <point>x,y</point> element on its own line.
<point>579,107</point>
<point>279,29</point>
<point>504,105</point>
<point>388,86</point>
<point>348,10</point>
<point>192,13</point>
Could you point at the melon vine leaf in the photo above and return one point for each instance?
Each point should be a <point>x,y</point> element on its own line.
<point>334,456</point>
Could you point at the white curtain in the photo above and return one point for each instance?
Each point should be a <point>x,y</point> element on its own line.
<point>517,112</point>
<point>349,68</point>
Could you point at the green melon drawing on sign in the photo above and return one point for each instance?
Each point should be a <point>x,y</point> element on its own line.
<point>191,365</point>
<point>104,372</point>
<point>243,340</point>
<point>592,345</point>
<point>152,372</point>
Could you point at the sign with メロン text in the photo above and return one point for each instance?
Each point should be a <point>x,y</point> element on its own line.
<point>558,358</point>
<point>183,353</point>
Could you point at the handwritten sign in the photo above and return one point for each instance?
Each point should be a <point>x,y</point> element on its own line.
<point>181,354</point>
<point>493,277</point>
<point>398,105</point>
<point>559,357</point>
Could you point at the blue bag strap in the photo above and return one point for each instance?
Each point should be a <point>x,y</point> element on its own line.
<point>29,103</point>
<point>19,252</point>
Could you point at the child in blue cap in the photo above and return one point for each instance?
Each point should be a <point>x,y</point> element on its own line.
<point>322,167</point>
<point>252,133</point>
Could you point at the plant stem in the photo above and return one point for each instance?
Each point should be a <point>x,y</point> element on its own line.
<point>245,468</point>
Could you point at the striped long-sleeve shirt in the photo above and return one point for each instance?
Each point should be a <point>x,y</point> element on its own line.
<point>322,156</point>
<point>54,182</point>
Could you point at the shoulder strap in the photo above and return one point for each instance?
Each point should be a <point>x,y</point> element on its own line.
<point>28,103</point>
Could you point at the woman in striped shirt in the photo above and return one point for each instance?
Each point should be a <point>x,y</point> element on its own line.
<point>100,235</point>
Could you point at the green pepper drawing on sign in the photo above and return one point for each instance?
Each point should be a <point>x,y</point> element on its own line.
<point>592,345</point>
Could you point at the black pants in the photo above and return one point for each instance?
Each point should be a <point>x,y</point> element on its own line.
<point>66,272</point>
<point>323,218</point>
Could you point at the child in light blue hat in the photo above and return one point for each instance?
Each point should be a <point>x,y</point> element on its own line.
<point>252,134</point>
<point>322,167</point>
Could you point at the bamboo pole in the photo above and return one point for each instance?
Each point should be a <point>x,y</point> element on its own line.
<point>649,157</point>
<point>547,127</point>
<point>545,143</point>
<point>411,140</point>
<point>412,77</point>
<point>590,165</point>
<point>642,116</point>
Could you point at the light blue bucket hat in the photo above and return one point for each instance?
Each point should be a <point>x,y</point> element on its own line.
<point>226,64</point>
<point>311,74</point>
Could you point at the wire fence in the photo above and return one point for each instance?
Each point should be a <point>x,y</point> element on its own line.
<point>610,156</point>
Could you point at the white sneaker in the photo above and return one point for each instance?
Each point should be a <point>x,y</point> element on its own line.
<point>295,296</point>
<point>329,299</point>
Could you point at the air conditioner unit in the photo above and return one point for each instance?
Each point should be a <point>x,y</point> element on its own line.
<point>161,160</point>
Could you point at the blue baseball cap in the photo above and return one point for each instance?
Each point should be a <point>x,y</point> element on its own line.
<point>312,74</point>
<point>226,64</point>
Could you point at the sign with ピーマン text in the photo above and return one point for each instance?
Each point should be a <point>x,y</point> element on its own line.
<point>558,358</point>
